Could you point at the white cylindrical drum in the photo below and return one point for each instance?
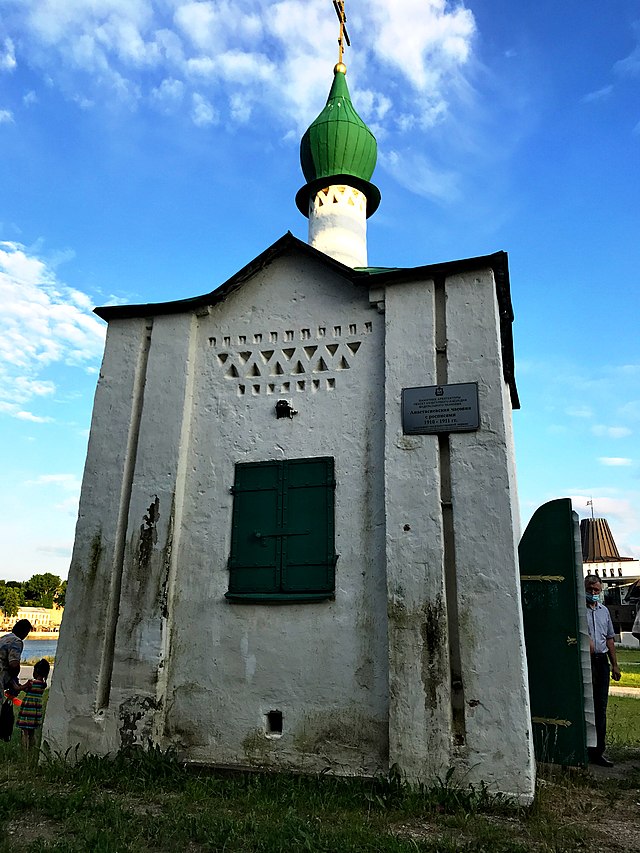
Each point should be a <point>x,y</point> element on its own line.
<point>338,224</point>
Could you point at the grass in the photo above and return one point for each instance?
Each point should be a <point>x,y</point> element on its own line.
<point>623,721</point>
<point>629,661</point>
<point>628,656</point>
<point>146,802</point>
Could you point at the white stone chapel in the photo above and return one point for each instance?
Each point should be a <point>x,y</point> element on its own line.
<point>296,548</point>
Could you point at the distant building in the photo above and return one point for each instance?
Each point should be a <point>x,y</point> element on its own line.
<point>600,555</point>
<point>43,619</point>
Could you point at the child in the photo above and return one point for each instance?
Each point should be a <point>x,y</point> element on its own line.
<point>30,715</point>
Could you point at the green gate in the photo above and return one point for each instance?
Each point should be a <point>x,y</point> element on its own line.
<point>551,580</point>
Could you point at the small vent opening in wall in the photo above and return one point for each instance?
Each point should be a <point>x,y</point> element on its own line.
<point>274,723</point>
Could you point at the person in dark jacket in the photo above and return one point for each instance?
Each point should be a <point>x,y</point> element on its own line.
<point>11,646</point>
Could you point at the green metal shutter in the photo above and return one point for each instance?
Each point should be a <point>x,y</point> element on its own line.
<point>282,536</point>
<point>257,511</point>
<point>308,559</point>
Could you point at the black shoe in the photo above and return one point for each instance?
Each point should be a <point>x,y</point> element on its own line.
<point>601,761</point>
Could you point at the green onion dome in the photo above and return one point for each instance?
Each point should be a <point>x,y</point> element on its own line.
<point>338,148</point>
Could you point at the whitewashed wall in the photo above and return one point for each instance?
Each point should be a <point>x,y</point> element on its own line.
<point>190,668</point>
<point>151,650</point>
<point>487,533</point>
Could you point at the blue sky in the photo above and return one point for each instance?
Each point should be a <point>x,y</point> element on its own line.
<point>149,149</point>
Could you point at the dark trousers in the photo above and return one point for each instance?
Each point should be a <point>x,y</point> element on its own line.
<point>600,678</point>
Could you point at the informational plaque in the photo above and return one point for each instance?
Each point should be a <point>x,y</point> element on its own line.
<point>440,408</point>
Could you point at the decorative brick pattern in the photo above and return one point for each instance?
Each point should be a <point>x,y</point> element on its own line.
<point>266,368</point>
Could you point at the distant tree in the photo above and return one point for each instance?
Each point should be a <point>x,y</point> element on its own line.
<point>42,589</point>
<point>11,603</point>
<point>19,588</point>
<point>61,594</point>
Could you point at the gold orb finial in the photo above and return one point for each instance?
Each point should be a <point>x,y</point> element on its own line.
<point>340,68</point>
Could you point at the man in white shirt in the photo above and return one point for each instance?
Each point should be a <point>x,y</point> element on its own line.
<point>603,651</point>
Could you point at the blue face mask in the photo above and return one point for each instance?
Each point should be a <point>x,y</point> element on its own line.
<point>592,598</point>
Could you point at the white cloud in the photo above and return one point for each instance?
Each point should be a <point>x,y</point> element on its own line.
<point>59,550</point>
<point>579,412</point>
<point>615,461</point>
<point>168,94</point>
<point>202,112</point>
<point>169,89</point>
<point>6,116</point>
<point>209,25</point>
<point>630,65</point>
<point>630,410</point>
<point>437,41</point>
<point>611,431</point>
<point>277,53</point>
<point>240,108</point>
<point>36,419</point>
<point>7,56</point>
<point>69,505</point>
<point>417,173</point>
<point>42,323</point>
<point>68,482</point>
<point>245,68</point>
<point>54,21</point>
<point>28,388</point>
<point>599,95</point>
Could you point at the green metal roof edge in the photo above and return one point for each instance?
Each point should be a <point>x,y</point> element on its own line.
<point>376,270</point>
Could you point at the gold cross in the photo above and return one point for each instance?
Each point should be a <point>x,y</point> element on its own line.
<point>338,5</point>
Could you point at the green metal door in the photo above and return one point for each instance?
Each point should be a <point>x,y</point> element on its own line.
<point>550,571</point>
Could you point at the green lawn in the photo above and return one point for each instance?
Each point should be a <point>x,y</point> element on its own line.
<point>623,721</point>
<point>146,802</point>
<point>629,656</point>
<point>629,661</point>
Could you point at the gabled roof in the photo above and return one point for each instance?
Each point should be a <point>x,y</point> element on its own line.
<point>371,276</point>
<point>285,245</point>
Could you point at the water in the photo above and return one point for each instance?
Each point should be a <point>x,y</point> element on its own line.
<point>39,649</point>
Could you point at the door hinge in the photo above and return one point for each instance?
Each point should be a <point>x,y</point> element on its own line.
<point>550,721</point>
